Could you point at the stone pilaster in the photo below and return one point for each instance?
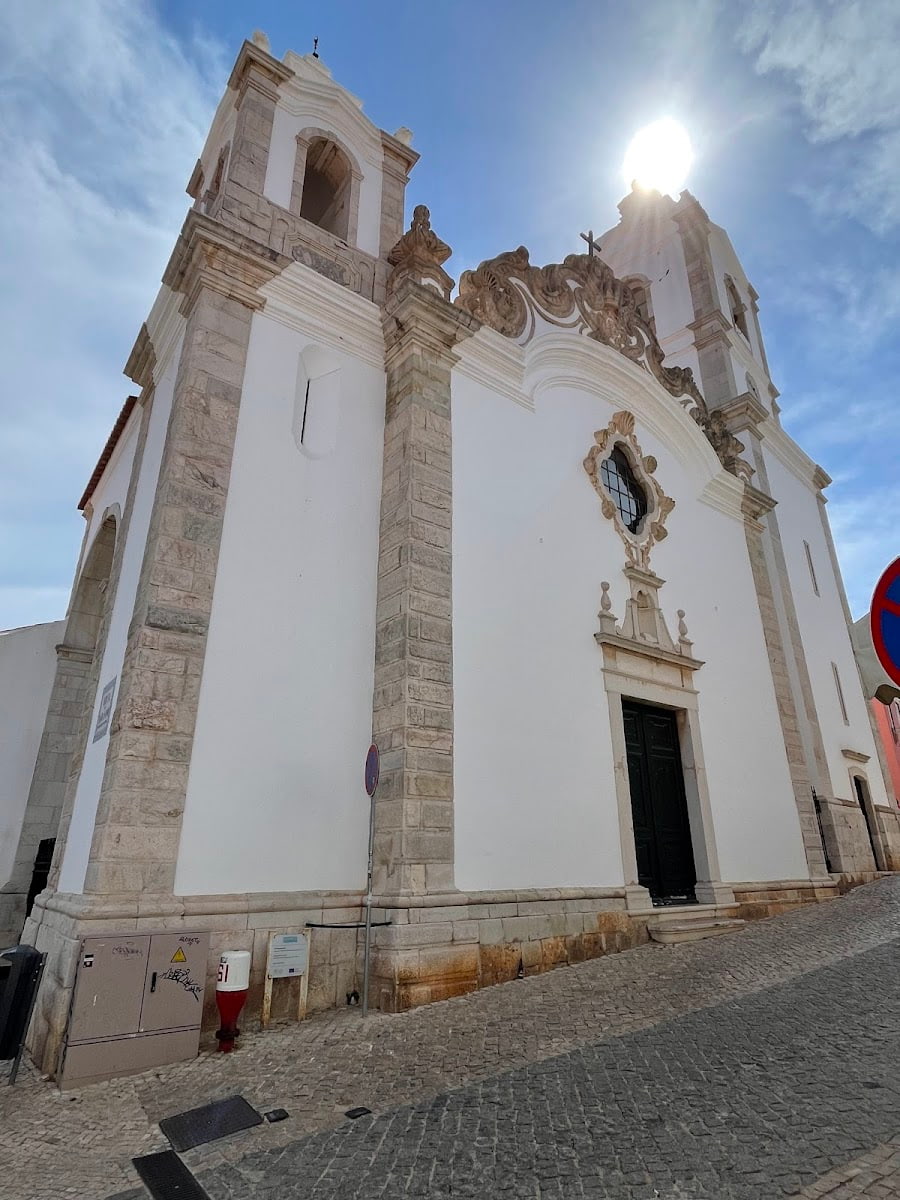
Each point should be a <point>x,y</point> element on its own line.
<point>255,78</point>
<point>756,505</point>
<point>138,824</point>
<point>413,702</point>
<point>399,160</point>
<point>711,327</point>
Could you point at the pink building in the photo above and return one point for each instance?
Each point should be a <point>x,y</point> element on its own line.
<point>887,719</point>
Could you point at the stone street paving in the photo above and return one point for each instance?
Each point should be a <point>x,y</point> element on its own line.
<point>757,1065</point>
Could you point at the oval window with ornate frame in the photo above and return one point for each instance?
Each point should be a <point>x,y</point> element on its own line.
<point>625,492</point>
<point>629,494</point>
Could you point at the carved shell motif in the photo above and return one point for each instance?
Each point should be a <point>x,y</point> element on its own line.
<point>620,431</point>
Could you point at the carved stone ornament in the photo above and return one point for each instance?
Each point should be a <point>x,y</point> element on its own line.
<point>644,626</point>
<point>419,255</point>
<point>620,432</point>
<point>726,445</point>
<point>508,294</point>
<point>581,293</point>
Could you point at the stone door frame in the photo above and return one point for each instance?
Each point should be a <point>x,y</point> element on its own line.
<point>650,675</point>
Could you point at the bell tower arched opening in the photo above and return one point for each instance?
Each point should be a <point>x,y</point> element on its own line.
<point>327,179</point>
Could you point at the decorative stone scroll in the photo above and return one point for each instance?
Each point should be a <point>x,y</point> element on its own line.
<point>620,431</point>
<point>581,293</point>
<point>726,445</point>
<point>419,254</point>
<point>508,294</point>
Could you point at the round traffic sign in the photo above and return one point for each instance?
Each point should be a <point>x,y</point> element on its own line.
<point>372,769</point>
<point>885,621</point>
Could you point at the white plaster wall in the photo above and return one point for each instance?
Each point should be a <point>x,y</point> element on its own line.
<point>27,670</point>
<point>533,772</point>
<point>81,829</point>
<point>823,631</point>
<point>275,797</point>
<point>362,146</point>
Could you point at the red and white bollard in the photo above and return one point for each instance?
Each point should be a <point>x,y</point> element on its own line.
<point>232,986</point>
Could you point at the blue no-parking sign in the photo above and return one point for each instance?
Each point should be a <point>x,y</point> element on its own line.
<point>885,621</point>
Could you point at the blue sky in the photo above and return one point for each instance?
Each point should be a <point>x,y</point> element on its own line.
<point>522,112</point>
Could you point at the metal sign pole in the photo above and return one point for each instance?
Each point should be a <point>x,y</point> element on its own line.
<point>367,951</point>
<point>371,778</point>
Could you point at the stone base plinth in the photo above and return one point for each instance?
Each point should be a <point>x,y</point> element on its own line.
<point>435,947</point>
<point>235,922</point>
<point>442,946</point>
<point>847,836</point>
<point>889,828</point>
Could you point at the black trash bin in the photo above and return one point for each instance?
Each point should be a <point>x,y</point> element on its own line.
<point>20,969</point>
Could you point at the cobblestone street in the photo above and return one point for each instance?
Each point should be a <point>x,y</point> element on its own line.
<point>756,1065</point>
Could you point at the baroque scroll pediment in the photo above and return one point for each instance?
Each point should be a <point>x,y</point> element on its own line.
<point>582,293</point>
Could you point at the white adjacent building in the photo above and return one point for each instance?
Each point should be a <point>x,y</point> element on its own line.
<point>546,542</point>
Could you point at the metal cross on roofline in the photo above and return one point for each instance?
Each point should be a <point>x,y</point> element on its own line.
<point>592,245</point>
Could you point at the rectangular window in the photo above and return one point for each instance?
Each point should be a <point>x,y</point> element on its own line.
<point>840,693</point>
<point>812,569</point>
<point>894,717</point>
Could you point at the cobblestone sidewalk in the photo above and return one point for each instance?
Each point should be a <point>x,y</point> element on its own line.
<point>556,1085</point>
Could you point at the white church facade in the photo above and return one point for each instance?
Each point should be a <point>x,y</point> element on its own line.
<point>542,537</point>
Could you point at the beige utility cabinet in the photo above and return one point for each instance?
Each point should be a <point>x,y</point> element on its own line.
<point>137,1003</point>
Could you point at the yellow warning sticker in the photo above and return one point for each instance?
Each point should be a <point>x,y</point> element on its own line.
<point>178,956</point>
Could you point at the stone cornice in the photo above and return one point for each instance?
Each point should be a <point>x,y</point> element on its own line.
<point>74,653</point>
<point>142,359</point>
<point>416,315</point>
<point>743,412</point>
<point>712,327</point>
<point>757,504</point>
<point>821,479</point>
<point>649,651</point>
<point>312,304</point>
<point>855,755</point>
<point>254,67</point>
<point>208,254</point>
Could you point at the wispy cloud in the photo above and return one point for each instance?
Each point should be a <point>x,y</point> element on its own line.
<point>840,60</point>
<point>102,110</point>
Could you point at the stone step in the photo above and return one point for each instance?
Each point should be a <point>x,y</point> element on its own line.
<point>672,932</point>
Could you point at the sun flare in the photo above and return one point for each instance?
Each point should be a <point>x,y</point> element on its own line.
<point>660,156</point>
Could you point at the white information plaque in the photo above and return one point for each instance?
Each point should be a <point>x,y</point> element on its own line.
<point>288,954</point>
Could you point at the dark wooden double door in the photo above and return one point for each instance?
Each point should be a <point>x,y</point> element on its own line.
<point>662,832</point>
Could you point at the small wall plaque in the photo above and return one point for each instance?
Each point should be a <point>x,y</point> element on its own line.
<point>104,712</point>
